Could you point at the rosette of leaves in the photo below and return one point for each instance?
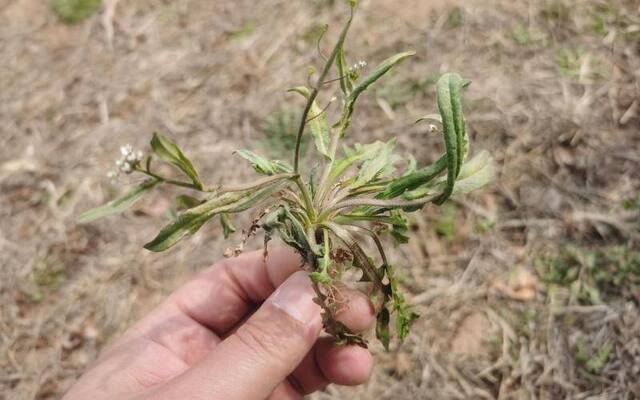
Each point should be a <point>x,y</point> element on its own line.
<point>363,193</point>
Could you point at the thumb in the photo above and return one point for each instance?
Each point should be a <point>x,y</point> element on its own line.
<point>254,360</point>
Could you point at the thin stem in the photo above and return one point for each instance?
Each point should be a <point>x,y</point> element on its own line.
<point>316,89</point>
<point>321,111</point>
<point>169,181</point>
<point>334,80</point>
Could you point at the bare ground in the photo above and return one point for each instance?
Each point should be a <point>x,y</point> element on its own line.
<point>529,289</point>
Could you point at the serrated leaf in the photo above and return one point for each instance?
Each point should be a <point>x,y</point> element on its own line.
<point>192,220</point>
<point>405,317</point>
<point>169,152</point>
<point>317,123</point>
<point>403,314</point>
<point>118,205</point>
<point>263,166</point>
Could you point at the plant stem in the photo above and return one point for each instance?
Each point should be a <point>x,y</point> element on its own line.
<point>169,181</point>
<point>316,89</point>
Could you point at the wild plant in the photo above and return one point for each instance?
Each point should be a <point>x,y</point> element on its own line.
<point>354,197</point>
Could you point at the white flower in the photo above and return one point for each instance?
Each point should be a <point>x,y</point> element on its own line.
<point>126,150</point>
<point>129,159</point>
<point>358,66</point>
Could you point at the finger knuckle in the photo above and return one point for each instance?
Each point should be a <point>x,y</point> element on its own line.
<point>262,340</point>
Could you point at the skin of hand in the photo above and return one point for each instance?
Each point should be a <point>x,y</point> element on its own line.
<point>246,328</point>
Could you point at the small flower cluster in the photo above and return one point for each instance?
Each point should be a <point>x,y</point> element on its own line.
<point>126,163</point>
<point>357,67</point>
<point>354,71</point>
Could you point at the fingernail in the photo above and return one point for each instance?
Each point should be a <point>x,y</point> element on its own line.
<point>295,297</point>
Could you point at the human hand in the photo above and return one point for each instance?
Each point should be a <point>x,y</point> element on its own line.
<point>243,329</point>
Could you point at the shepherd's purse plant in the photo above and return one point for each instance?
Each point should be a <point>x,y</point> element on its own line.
<point>357,195</point>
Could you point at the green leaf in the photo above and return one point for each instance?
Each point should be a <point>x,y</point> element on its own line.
<point>405,317</point>
<point>346,84</point>
<point>263,166</point>
<point>380,163</point>
<point>118,205</point>
<point>192,220</point>
<point>396,221</point>
<point>184,202</point>
<point>475,173</point>
<point>227,225</point>
<point>290,229</point>
<point>169,152</point>
<point>382,328</point>
<point>453,127</point>
<point>413,180</point>
<point>322,274</point>
<point>377,73</point>
<point>399,227</point>
<point>412,165</point>
<point>352,156</point>
<point>403,314</point>
<point>317,123</point>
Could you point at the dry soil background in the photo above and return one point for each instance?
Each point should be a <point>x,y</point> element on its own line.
<point>527,290</point>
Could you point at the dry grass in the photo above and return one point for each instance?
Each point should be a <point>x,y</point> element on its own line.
<point>555,96</point>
